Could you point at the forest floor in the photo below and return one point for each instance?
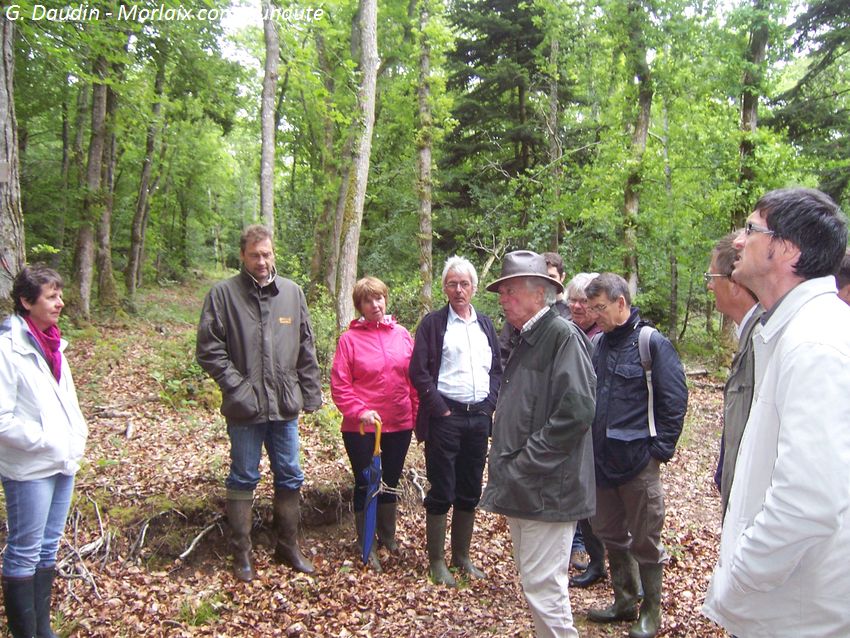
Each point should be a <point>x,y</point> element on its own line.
<point>151,490</point>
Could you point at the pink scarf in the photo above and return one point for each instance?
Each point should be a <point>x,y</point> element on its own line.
<point>48,341</point>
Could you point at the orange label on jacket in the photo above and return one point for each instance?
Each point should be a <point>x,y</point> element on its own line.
<point>286,321</point>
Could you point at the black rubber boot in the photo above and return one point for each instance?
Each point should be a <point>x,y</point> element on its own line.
<point>649,621</point>
<point>462,526</point>
<point>20,606</point>
<point>287,514</point>
<point>386,526</point>
<point>435,539</point>
<point>240,517</point>
<point>373,561</point>
<point>595,570</point>
<point>624,581</point>
<point>43,592</point>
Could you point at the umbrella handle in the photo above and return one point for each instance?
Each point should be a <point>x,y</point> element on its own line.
<point>377,449</point>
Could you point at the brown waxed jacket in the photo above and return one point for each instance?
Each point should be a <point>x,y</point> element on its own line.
<point>257,344</point>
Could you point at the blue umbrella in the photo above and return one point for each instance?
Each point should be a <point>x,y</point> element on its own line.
<point>372,474</point>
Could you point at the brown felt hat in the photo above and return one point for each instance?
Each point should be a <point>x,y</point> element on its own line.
<point>524,263</point>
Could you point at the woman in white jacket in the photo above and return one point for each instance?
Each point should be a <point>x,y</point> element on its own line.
<point>42,437</point>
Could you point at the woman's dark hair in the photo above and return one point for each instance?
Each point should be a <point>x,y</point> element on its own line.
<point>28,284</point>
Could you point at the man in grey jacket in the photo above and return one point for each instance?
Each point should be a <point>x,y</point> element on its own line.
<point>541,474</point>
<point>256,342</point>
<point>740,305</point>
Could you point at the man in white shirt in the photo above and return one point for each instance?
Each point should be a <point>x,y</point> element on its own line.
<point>455,368</point>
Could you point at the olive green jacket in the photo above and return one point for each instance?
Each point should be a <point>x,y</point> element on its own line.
<point>257,343</point>
<point>541,457</point>
<point>737,397</point>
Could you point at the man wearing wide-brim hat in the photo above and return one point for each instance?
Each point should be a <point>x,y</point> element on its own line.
<point>541,474</point>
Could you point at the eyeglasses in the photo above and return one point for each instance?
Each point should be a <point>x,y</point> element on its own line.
<point>465,285</point>
<point>708,276</point>
<point>577,302</point>
<point>750,228</point>
<point>598,308</point>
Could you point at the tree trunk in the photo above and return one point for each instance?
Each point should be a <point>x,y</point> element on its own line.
<point>423,165</point>
<point>672,246</point>
<point>631,206</point>
<point>267,117</point>
<point>324,251</point>
<point>59,236</point>
<point>80,302</point>
<point>137,230</point>
<point>107,293</point>
<point>11,216</point>
<point>355,196</point>
<point>554,144</point>
<point>756,50</point>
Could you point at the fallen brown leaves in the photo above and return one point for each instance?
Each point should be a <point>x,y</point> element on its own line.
<point>156,472</point>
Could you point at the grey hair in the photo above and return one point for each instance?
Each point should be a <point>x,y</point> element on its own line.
<point>462,266</point>
<point>550,290</point>
<point>576,286</point>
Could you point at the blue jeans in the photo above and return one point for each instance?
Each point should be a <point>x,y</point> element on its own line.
<point>246,446</point>
<point>36,512</point>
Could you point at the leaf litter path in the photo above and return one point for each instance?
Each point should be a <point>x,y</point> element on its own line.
<point>152,484</point>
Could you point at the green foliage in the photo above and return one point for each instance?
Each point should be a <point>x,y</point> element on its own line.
<point>197,611</point>
<point>506,175</point>
<point>181,380</point>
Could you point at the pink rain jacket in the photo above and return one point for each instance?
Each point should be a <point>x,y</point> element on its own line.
<point>369,372</point>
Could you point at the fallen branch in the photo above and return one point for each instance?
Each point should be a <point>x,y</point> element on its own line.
<point>197,539</point>
<point>417,479</point>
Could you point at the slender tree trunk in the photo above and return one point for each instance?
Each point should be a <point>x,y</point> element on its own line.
<point>358,175</point>
<point>59,235</point>
<point>11,214</point>
<point>137,230</point>
<point>80,306</point>
<point>424,142</point>
<point>672,246</point>
<point>756,51</point>
<point>554,143</point>
<point>267,117</point>
<point>640,131</point>
<point>183,237</point>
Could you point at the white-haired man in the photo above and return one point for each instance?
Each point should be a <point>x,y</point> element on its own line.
<point>456,371</point>
<point>541,458</point>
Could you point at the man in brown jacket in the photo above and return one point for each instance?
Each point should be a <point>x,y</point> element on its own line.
<point>255,340</point>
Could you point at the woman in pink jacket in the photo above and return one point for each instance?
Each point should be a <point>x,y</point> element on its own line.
<point>369,381</point>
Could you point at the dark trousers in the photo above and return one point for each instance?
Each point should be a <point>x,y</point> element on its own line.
<point>360,448</point>
<point>455,453</point>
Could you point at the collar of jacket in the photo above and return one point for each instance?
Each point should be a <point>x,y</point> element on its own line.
<point>360,323</point>
<point>791,303</point>
<point>533,334</point>
<point>621,333</point>
<point>270,288</point>
<point>15,329</point>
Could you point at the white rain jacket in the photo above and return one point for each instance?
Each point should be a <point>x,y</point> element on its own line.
<point>785,548</point>
<point>42,430</point>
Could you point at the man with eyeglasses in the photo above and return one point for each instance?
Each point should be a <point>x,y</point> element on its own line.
<point>738,303</point>
<point>455,369</point>
<point>785,546</point>
<point>628,452</point>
